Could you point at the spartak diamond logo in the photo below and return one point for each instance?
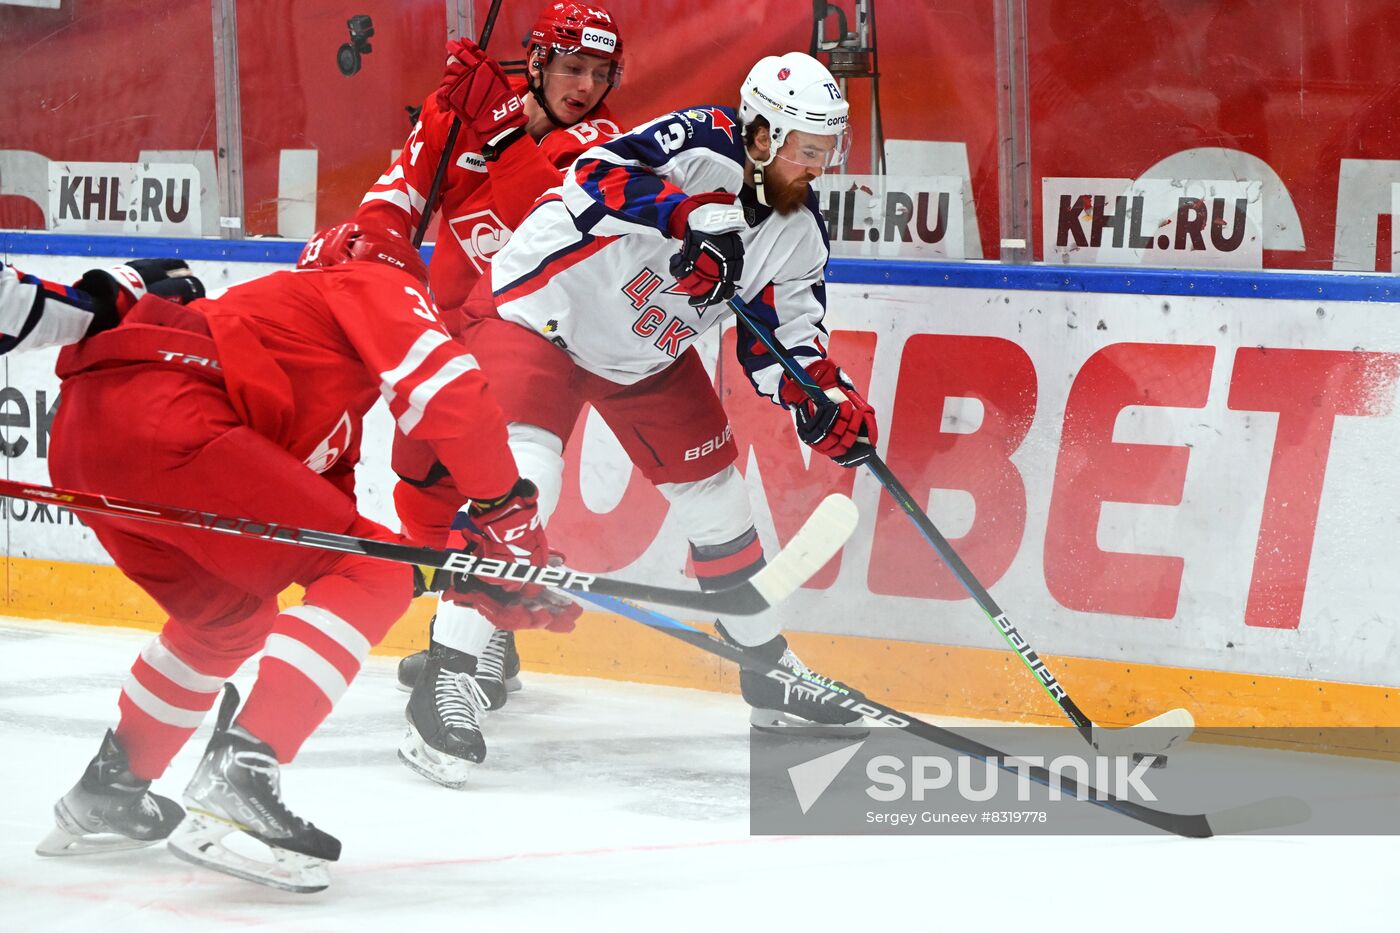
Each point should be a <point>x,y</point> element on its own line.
<point>784,74</point>
<point>481,234</point>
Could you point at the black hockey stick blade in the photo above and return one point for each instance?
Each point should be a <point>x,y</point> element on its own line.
<point>815,543</point>
<point>1273,813</point>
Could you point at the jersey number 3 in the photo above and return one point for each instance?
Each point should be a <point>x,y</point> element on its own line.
<point>670,138</point>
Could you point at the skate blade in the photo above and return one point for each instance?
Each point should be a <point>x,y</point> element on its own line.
<point>513,685</point>
<point>199,841</point>
<point>434,765</point>
<point>60,842</point>
<point>777,722</point>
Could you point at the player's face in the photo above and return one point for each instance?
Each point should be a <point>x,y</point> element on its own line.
<point>573,84</point>
<point>800,161</point>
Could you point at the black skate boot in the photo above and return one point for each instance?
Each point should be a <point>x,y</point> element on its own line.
<point>444,718</point>
<point>237,788</point>
<point>498,668</point>
<point>411,667</point>
<point>815,702</point>
<point>109,809</point>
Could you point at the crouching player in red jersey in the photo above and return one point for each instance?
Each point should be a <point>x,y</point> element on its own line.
<point>251,403</point>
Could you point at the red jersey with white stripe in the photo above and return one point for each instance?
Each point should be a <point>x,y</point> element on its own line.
<point>482,202</point>
<point>340,338</point>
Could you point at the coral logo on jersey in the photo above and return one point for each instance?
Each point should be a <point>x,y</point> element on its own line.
<point>481,234</point>
<point>784,74</point>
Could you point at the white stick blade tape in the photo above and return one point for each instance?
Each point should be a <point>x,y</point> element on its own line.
<point>816,542</point>
<point>1148,737</point>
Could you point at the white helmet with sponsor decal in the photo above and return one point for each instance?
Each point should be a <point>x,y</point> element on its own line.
<point>795,92</point>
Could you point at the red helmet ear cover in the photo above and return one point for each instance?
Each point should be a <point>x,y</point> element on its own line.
<point>350,242</point>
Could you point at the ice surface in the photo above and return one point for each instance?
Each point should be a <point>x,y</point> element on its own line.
<point>602,806</point>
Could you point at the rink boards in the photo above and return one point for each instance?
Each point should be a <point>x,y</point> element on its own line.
<point>1181,493</point>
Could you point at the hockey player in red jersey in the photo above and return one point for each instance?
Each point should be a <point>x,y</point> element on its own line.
<point>599,296</point>
<point>518,135</point>
<point>251,403</point>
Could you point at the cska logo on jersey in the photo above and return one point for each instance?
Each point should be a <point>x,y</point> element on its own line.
<point>720,121</point>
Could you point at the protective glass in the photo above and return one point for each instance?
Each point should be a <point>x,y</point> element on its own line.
<point>574,66</point>
<point>813,150</point>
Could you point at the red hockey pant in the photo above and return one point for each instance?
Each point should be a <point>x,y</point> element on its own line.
<point>169,437</point>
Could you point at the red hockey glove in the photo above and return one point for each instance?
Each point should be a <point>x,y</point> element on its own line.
<point>836,428</point>
<point>116,289</point>
<point>506,529</point>
<point>476,89</point>
<point>711,257</point>
<point>512,611</point>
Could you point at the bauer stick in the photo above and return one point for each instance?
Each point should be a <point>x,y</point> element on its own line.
<point>1175,724</point>
<point>1271,813</point>
<point>430,202</point>
<point>815,543</point>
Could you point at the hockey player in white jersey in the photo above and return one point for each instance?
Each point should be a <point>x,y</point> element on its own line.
<point>598,299</point>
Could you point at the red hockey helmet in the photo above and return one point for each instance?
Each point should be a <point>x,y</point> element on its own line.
<point>349,242</point>
<point>565,28</point>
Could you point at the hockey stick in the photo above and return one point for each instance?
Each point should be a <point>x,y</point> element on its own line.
<point>1272,813</point>
<point>430,202</point>
<point>1175,724</point>
<point>815,543</point>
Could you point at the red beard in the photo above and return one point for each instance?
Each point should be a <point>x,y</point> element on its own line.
<point>785,198</point>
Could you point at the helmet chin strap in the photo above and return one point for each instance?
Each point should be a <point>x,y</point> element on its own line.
<point>757,177</point>
<point>758,186</point>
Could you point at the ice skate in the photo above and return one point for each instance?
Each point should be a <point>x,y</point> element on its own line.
<point>411,667</point>
<point>816,703</point>
<point>498,668</point>
<point>109,809</point>
<point>444,737</point>
<point>237,789</point>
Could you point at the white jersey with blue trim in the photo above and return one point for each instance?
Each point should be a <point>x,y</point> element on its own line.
<point>589,268</point>
<point>35,314</point>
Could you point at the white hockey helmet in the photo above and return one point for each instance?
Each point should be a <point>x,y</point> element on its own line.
<point>796,92</point>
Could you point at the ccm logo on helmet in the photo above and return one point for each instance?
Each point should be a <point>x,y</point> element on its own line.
<point>598,39</point>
